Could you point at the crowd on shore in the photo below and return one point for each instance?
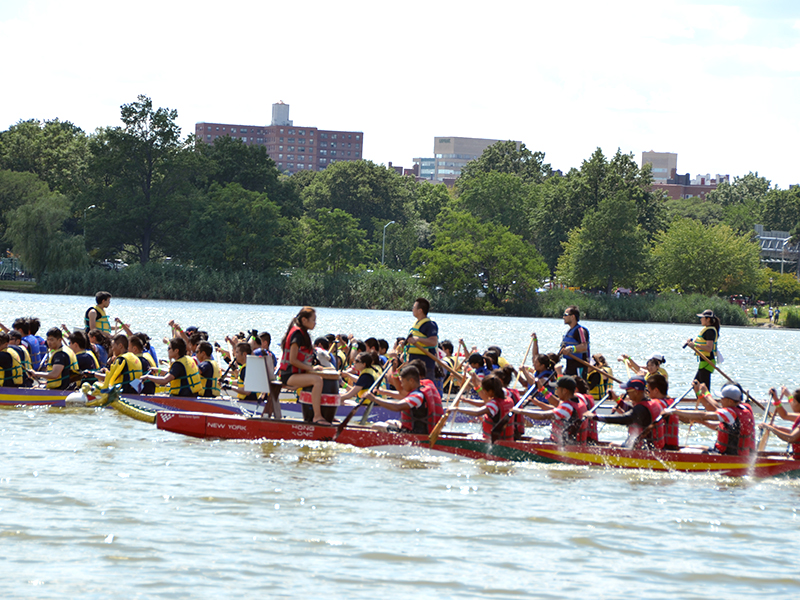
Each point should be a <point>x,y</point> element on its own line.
<point>408,376</point>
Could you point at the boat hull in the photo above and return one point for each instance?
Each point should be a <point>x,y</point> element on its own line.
<point>205,425</point>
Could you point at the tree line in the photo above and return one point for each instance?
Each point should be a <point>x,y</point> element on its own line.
<point>142,193</point>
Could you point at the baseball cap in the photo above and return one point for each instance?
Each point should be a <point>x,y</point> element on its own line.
<point>659,357</point>
<point>732,392</point>
<point>635,383</point>
<point>706,313</point>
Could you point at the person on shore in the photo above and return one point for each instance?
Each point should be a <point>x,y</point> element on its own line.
<point>425,333</point>
<point>96,317</point>
<point>706,344</point>
<point>567,416</point>
<point>575,342</point>
<point>297,368</point>
<point>639,417</point>
<point>791,434</point>
<point>62,365</point>
<point>183,377</point>
<point>736,429</point>
<point>10,365</point>
<point>418,413</point>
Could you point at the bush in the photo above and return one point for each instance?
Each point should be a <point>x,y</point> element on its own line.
<point>792,318</point>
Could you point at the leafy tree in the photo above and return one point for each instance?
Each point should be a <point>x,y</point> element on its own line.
<point>609,248</point>
<point>401,241</point>
<point>694,258</point>
<point>781,209</point>
<point>17,189</point>
<point>505,157</point>
<point>708,213</point>
<point>56,151</point>
<point>236,229</point>
<point>430,200</point>
<point>35,232</point>
<point>742,201</point>
<point>500,198</point>
<point>335,242</point>
<point>233,161</point>
<point>370,192</point>
<point>470,259</point>
<point>142,174</point>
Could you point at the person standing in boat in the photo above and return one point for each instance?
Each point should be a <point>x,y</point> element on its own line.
<point>183,377</point>
<point>575,342</point>
<point>419,411</point>
<point>736,429</point>
<point>297,368</point>
<point>96,317</point>
<point>641,415</point>
<point>706,344</point>
<point>567,416</point>
<point>425,333</point>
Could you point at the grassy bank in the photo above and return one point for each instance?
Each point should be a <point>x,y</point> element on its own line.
<point>17,286</point>
<point>381,289</point>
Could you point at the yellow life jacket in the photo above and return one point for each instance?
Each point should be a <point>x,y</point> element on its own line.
<point>191,381</point>
<point>601,389</point>
<point>415,332</point>
<point>708,360</point>
<point>375,375</point>
<point>66,373</point>
<point>146,357</point>
<point>210,385</point>
<point>15,372</point>
<point>133,367</point>
<point>101,322</point>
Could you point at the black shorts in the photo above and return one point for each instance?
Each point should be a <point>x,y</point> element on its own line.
<point>285,375</point>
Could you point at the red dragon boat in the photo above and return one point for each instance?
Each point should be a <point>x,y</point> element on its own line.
<point>693,460</point>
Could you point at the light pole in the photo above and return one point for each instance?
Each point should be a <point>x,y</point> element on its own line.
<point>770,292</point>
<point>383,251</point>
<point>84,222</point>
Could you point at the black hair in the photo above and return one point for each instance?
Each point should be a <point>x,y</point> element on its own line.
<point>566,382</point>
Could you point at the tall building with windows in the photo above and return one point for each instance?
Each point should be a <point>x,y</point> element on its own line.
<point>292,148</point>
<point>665,165</point>
<point>450,156</point>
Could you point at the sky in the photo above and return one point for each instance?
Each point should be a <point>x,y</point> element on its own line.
<point>718,83</point>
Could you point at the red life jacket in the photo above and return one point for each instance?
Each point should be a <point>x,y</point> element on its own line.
<point>423,418</point>
<point>589,425</point>
<point>518,420</point>
<point>655,437</point>
<point>671,427</point>
<point>738,439</point>
<point>304,353</point>
<point>504,406</point>
<point>570,430</point>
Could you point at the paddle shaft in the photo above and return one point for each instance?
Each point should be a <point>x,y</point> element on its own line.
<point>586,364</point>
<point>721,372</point>
<point>443,420</point>
<point>352,413</point>
<point>434,358</point>
<point>762,443</point>
<point>660,417</point>
<point>500,425</point>
<point>524,358</point>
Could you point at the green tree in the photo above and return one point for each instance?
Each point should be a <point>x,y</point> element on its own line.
<point>142,173</point>
<point>781,209</point>
<point>494,197</point>
<point>610,248</point>
<point>741,201</point>
<point>56,151</point>
<point>430,199</point>
<point>361,188</point>
<point>694,258</point>
<point>471,259</point>
<point>35,232</point>
<point>335,243</point>
<point>17,189</point>
<point>505,157</point>
<point>708,213</point>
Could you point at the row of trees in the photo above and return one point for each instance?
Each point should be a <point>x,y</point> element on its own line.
<point>143,193</point>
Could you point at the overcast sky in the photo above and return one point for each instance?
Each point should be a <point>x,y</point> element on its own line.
<point>717,83</point>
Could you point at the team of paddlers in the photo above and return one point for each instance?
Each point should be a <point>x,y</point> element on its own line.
<point>409,377</point>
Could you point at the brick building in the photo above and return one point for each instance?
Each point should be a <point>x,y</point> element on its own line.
<point>293,148</point>
<point>664,167</point>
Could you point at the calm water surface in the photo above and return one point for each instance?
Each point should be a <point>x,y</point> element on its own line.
<point>96,505</point>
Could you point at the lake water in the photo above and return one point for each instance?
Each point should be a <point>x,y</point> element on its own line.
<point>97,505</point>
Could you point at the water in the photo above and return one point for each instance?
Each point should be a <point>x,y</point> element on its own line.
<point>96,505</point>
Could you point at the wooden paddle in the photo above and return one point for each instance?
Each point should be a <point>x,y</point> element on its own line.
<point>443,420</point>
<point>598,369</point>
<point>352,413</point>
<point>524,358</point>
<point>762,443</point>
<point>731,381</point>
<point>500,425</point>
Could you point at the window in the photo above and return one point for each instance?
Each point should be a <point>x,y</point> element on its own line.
<point>243,131</point>
<point>301,149</point>
<point>301,132</point>
<point>208,137</point>
<point>358,137</point>
<point>281,130</point>
<point>280,156</point>
<point>218,128</point>
<point>244,139</point>
<point>349,137</point>
<point>323,152</point>
<point>280,148</point>
<point>280,139</point>
<point>322,161</point>
<point>291,132</point>
<point>233,129</point>
<point>290,157</point>
<point>333,136</point>
<point>333,152</point>
<point>290,140</point>
<point>349,153</point>
<point>311,133</point>
<point>291,148</point>
<point>324,136</point>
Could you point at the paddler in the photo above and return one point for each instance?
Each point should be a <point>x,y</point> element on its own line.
<point>183,377</point>
<point>131,365</point>
<point>208,369</point>
<point>425,333</point>
<point>496,405</point>
<point>62,364</point>
<point>653,366</point>
<point>361,375</point>
<point>706,344</point>
<point>643,412</point>
<point>136,345</point>
<point>657,388</point>
<point>787,434</point>
<point>419,412</point>
<point>736,429</point>
<point>575,342</point>
<point>567,417</point>
<point>96,317</point>
<point>87,361</point>
<point>10,365</point>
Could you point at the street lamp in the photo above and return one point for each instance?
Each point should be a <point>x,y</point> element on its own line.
<point>770,292</point>
<point>383,251</point>
<point>84,223</point>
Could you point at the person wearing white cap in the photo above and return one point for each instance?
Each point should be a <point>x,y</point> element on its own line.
<point>653,365</point>
<point>736,429</point>
<point>706,344</point>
